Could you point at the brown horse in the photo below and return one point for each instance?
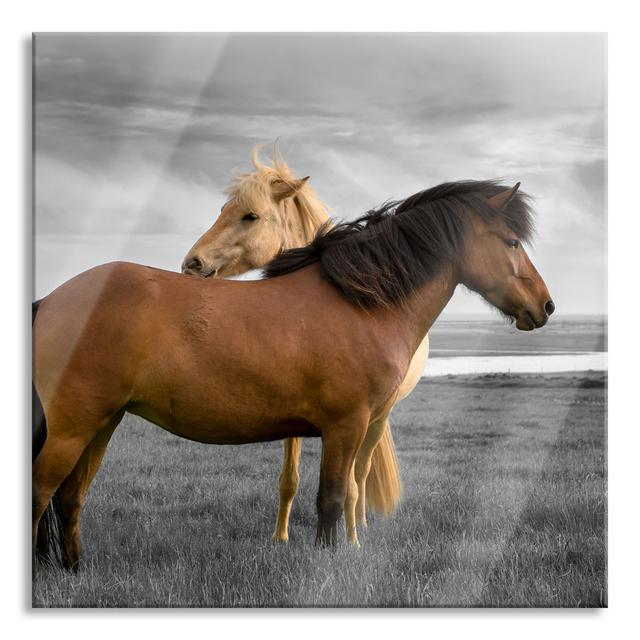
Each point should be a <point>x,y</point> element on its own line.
<point>318,349</point>
<point>269,210</point>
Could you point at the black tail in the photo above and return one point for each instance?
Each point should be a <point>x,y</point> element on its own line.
<point>38,422</point>
<point>50,547</point>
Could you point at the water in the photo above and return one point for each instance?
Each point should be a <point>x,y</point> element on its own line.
<point>596,361</point>
<point>468,346</point>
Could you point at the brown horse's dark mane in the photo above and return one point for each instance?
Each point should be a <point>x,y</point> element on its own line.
<point>382,257</point>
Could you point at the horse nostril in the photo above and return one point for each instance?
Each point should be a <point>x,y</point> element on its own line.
<point>549,307</point>
<point>195,264</point>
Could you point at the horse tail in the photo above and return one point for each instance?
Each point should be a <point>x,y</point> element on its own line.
<point>384,487</point>
<point>50,539</point>
<point>38,421</point>
<point>50,547</point>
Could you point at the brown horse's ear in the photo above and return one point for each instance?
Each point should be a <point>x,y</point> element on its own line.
<point>502,199</point>
<point>281,189</point>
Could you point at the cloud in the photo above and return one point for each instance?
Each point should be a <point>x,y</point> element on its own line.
<point>133,198</point>
<point>139,134</point>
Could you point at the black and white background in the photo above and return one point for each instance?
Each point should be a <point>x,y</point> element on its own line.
<point>136,136</point>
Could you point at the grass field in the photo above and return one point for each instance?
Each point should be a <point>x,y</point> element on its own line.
<point>504,505</point>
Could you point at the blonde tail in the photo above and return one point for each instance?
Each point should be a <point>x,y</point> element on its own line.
<point>384,487</point>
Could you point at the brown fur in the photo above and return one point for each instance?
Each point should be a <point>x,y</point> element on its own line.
<point>287,356</point>
<point>270,210</point>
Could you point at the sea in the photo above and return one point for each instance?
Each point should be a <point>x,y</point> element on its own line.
<point>478,345</point>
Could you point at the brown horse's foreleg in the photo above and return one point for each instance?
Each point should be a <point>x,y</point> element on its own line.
<point>73,491</point>
<point>289,480</point>
<point>339,448</point>
<point>363,464</point>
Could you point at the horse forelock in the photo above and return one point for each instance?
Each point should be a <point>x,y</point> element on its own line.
<point>300,215</point>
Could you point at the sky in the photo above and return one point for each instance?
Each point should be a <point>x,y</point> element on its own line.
<point>136,137</point>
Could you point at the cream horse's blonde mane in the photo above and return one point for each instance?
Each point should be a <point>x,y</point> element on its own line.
<point>300,216</point>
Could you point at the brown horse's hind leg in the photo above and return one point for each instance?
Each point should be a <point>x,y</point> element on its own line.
<point>54,463</point>
<point>73,490</point>
<point>289,480</point>
<point>339,448</point>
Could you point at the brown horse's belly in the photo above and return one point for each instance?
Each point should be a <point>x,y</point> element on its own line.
<point>214,431</point>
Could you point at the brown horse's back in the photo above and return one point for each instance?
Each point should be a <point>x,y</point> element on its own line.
<point>215,361</point>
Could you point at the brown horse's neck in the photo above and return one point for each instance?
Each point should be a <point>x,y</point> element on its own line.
<point>426,304</point>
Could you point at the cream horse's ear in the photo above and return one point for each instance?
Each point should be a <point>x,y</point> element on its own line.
<point>281,189</point>
<point>502,199</point>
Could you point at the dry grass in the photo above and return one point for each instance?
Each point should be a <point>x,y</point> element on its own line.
<point>505,502</point>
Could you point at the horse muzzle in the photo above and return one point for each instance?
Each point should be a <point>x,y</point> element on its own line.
<point>196,267</point>
<point>528,321</point>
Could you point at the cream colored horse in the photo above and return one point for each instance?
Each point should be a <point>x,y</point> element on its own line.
<point>270,210</point>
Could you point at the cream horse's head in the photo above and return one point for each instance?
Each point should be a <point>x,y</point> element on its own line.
<point>268,210</point>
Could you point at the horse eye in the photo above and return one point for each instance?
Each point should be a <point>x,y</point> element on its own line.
<point>250,217</point>
<point>514,244</point>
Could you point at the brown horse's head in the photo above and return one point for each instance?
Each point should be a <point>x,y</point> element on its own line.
<point>268,210</point>
<point>495,265</point>
<point>468,232</point>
